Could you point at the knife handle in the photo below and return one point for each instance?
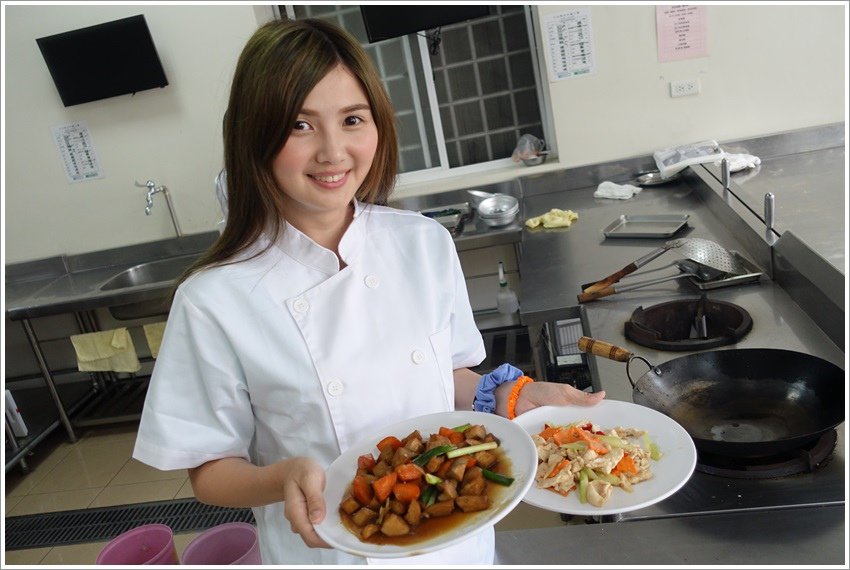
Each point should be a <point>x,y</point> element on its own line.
<point>604,349</point>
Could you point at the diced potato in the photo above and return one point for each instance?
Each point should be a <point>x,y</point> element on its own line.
<point>350,505</point>
<point>394,525</point>
<point>471,503</point>
<point>440,509</point>
<point>364,516</point>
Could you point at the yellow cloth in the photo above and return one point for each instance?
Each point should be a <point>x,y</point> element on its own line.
<point>153,334</point>
<point>554,218</point>
<point>110,350</point>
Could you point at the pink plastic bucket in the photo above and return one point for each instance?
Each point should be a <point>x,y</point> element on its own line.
<point>147,544</point>
<point>230,543</point>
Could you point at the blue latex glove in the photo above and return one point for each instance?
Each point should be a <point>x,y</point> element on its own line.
<point>485,400</point>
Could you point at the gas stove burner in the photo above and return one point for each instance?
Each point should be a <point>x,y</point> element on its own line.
<point>803,460</point>
<point>688,324</point>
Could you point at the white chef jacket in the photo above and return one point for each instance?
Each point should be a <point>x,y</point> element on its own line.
<point>286,355</point>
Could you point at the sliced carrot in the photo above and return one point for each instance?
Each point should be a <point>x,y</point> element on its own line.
<point>453,436</point>
<point>569,435</point>
<point>626,465</point>
<point>406,492</point>
<point>563,464</point>
<point>471,462</point>
<point>548,432</point>
<point>443,469</point>
<point>361,490</point>
<point>384,486</point>
<point>389,440</point>
<point>574,433</point>
<point>409,472</point>
<point>366,462</point>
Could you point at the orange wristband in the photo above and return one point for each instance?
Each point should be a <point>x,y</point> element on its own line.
<point>514,396</point>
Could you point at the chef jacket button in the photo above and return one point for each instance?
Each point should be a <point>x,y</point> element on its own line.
<point>418,356</point>
<point>301,306</point>
<point>335,388</point>
<point>372,281</point>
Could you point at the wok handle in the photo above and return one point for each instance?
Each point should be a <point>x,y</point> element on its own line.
<point>604,349</point>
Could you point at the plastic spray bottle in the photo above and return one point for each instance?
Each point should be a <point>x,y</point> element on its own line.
<point>506,300</point>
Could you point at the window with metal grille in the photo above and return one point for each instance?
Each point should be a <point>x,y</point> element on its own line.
<point>463,93</point>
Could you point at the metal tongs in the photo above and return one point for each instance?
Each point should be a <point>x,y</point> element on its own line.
<point>711,261</point>
<point>687,267</point>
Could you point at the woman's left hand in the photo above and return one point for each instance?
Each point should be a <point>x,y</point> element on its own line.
<point>535,394</point>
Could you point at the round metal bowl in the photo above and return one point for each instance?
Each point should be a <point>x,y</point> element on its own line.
<point>653,178</point>
<point>498,210</point>
<point>535,160</point>
<point>478,196</point>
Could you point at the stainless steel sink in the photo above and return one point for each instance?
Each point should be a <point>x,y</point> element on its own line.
<point>158,271</point>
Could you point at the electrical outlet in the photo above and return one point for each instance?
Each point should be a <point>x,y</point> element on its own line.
<point>684,87</point>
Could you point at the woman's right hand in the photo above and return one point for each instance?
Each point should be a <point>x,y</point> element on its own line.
<point>304,503</point>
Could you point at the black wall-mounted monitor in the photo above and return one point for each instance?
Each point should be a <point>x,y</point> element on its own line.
<point>102,61</point>
<point>384,22</point>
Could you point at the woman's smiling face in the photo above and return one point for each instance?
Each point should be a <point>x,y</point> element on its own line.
<point>330,150</point>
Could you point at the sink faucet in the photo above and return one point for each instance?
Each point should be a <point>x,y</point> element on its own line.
<point>154,189</point>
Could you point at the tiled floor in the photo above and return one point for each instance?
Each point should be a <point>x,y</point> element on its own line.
<point>98,471</point>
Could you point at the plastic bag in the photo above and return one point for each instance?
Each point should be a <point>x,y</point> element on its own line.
<point>528,146</point>
<point>673,160</point>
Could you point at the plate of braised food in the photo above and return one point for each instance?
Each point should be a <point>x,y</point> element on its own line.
<point>426,483</point>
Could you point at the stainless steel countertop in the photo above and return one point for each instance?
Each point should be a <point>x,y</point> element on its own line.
<point>804,536</point>
<point>66,284</point>
<point>806,172</point>
<point>711,520</point>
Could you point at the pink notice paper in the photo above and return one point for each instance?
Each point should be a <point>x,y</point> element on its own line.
<point>682,32</point>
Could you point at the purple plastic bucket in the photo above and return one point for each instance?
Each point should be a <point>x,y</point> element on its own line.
<point>147,544</point>
<point>230,543</point>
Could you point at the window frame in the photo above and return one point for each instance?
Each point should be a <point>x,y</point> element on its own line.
<point>444,171</point>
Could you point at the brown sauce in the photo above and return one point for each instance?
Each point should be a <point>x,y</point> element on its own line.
<point>435,526</point>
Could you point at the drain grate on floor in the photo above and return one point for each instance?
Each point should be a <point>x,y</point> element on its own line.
<point>105,523</point>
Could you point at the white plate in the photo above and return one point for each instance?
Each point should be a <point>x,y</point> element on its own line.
<point>671,472</point>
<point>515,443</point>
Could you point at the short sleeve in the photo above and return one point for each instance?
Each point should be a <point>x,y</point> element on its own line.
<point>197,408</point>
<point>467,344</point>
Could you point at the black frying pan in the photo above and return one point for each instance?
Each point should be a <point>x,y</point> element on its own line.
<point>748,402</point>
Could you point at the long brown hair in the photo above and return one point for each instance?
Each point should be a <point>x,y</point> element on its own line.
<point>278,67</point>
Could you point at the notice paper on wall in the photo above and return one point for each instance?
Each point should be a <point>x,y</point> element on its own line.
<point>569,41</point>
<point>73,140</point>
<point>682,32</point>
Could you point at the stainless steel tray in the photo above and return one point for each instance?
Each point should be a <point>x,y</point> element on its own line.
<point>753,274</point>
<point>651,226</point>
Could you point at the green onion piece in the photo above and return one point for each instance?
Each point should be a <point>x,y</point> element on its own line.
<point>462,428</point>
<point>497,477</point>
<point>654,452</point>
<point>429,495</point>
<point>582,487</point>
<point>613,441</point>
<point>576,445</point>
<point>608,478</point>
<point>471,449</point>
<point>432,479</point>
<point>431,453</point>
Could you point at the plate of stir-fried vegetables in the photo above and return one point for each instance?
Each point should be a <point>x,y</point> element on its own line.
<point>606,459</point>
<point>426,483</point>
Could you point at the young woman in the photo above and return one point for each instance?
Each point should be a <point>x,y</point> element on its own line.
<point>320,315</point>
